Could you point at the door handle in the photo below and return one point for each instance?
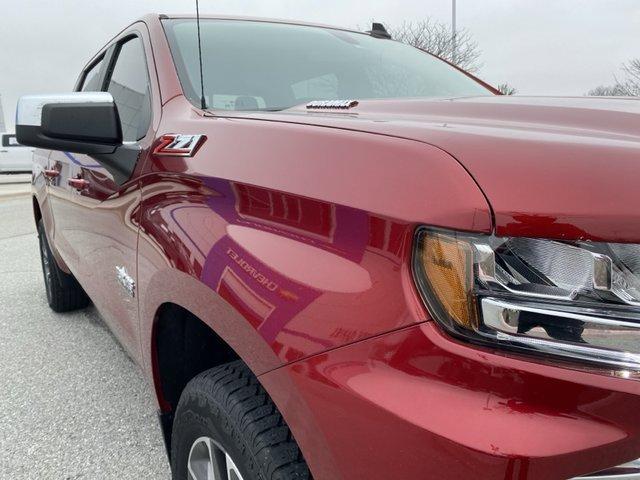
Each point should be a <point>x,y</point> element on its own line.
<point>78,183</point>
<point>51,173</point>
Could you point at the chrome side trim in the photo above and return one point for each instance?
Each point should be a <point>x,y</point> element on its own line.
<point>628,471</point>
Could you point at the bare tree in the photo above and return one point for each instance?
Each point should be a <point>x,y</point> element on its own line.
<point>435,38</point>
<point>506,89</point>
<point>628,86</point>
<point>607,91</point>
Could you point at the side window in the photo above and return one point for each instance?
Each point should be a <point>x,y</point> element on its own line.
<point>129,85</point>
<point>91,82</point>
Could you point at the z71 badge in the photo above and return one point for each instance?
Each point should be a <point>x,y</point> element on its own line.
<point>177,145</point>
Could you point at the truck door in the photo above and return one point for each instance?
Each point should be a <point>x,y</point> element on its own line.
<point>99,205</point>
<point>63,166</point>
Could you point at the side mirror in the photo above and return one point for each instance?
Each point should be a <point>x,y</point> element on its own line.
<point>9,140</point>
<point>81,122</point>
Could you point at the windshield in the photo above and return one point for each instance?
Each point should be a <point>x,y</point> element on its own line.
<point>250,65</point>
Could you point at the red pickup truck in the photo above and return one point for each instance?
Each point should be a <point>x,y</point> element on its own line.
<point>337,256</point>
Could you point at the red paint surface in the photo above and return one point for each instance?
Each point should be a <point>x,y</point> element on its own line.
<point>413,404</point>
<point>290,235</point>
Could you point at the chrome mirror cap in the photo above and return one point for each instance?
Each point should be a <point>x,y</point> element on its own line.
<point>79,122</point>
<point>29,109</point>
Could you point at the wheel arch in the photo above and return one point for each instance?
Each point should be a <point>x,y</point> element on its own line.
<point>183,347</point>
<point>37,212</point>
<point>41,213</point>
<point>186,328</point>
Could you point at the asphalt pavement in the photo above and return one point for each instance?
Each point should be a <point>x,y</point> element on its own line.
<point>72,403</point>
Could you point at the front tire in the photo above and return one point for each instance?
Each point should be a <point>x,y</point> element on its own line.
<point>227,427</point>
<point>64,293</point>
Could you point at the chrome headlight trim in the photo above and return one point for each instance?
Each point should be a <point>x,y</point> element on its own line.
<point>565,300</point>
<point>495,312</point>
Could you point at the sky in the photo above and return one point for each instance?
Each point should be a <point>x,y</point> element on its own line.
<point>541,47</point>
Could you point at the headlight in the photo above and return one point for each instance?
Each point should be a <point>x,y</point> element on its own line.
<point>578,300</point>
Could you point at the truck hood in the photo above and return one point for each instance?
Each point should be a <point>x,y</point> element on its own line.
<point>565,168</point>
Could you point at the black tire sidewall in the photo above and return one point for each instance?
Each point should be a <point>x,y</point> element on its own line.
<point>200,415</point>
<point>45,250</point>
<point>64,293</point>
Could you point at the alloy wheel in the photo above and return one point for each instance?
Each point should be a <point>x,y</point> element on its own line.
<point>209,461</point>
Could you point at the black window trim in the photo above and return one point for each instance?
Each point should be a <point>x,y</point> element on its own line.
<point>113,53</point>
<point>83,75</point>
<point>109,63</point>
<point>109,56</point>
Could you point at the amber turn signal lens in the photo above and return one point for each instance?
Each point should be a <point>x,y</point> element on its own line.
<point>447,264</point>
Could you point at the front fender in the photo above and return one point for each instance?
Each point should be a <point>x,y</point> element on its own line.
<point>298,248</point>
